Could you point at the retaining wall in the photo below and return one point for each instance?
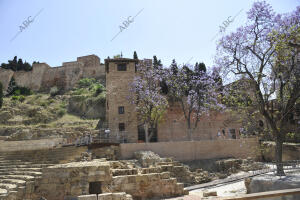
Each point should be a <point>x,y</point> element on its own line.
<point>6,146</point>
<point>196,150</point>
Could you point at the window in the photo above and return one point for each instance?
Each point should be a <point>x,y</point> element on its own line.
<point>121,127</point>
<point>122,67</point>
<point>121,110</point>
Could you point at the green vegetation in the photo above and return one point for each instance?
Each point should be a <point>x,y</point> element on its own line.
<point>54,91</point>
<point>89,87</point>
<point>17,65</point>
<point>20,98</point>
<point>135,55</point>
<point>15,90</point>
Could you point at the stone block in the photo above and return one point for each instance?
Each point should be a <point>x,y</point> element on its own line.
<point>105,196</point>
<point>119,196</point>
<point>209,194</point>
<point>165,175</point>
<point>87,197</point>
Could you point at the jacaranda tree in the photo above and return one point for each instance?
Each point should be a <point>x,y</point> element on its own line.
<point>264,51</point>
<point>146,94</point>
<point>197,91</point>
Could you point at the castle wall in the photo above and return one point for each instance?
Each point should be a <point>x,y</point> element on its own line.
<point>43,77</point>
<point>5,76</point>
<point>173,127</point>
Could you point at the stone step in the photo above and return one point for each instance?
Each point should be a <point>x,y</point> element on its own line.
<point>8,186</point>
<point>3,191</point>
<point>27,173</point>
<point>27,166</point>
<point>121,172</point>
<point>44,152</point>
<point>167,167</point>
<point>151,170</point>
<point>13,161</point>
<point>165,163</point>
<point>13,181</point>
<point>20,177</point>
<point>20,169</point>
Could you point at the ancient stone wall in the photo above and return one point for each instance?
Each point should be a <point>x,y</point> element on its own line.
<point>43,77</point>
<point>5,77</point>
<point>196,150</point>
<point>8,146</point>
<point>174,126</point>
<point>72,179</point>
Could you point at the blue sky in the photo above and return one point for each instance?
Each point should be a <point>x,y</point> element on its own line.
<point>67,29</point>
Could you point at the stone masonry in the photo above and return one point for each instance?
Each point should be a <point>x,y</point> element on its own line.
<point>43,77</point>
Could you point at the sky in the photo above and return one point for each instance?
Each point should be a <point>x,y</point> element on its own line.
<point>59,31</point>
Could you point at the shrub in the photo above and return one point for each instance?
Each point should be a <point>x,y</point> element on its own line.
<point>61,112</point>
<point>97,89</point>
<point>79,91</point>
<point>86,82</point>
<point>24,91</point>
<point>54,91</point>
<point>20,98</point>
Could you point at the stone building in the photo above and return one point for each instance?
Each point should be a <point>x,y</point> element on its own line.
<point>120,113</point>
<point>123,122</point>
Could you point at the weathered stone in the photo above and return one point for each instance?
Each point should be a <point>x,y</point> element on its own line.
<point>209,194</point>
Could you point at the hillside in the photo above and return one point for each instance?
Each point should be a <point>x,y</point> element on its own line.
<point>57,114</point>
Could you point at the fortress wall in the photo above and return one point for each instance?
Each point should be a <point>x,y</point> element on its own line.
<point>43,77</point>
<point>54,76</point>
<point>5,76</point>
<point>173,127</point>
<point>73,74</point>
<point>37,76</point>
<point>23,78</point>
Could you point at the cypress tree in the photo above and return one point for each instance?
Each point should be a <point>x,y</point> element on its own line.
<point>135,55</point>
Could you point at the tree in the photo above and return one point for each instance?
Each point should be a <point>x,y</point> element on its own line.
<point>1,95</point>
<point>174,67</point>
<point>11,86</point>
<point>200,67</point>
<point>135,55</point>
<point>17,65</point>
<point>156,63</point>
<point>145,93</point>
<point>197,93</point>
<point>265,52</point>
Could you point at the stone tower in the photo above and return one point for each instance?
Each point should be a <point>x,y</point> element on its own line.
<point>120,113</point>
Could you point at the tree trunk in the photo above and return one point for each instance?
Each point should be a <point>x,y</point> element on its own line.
<point>278,155</point>
<point>189,131</point>
<point>146,133</point>
<point>190,134</point>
